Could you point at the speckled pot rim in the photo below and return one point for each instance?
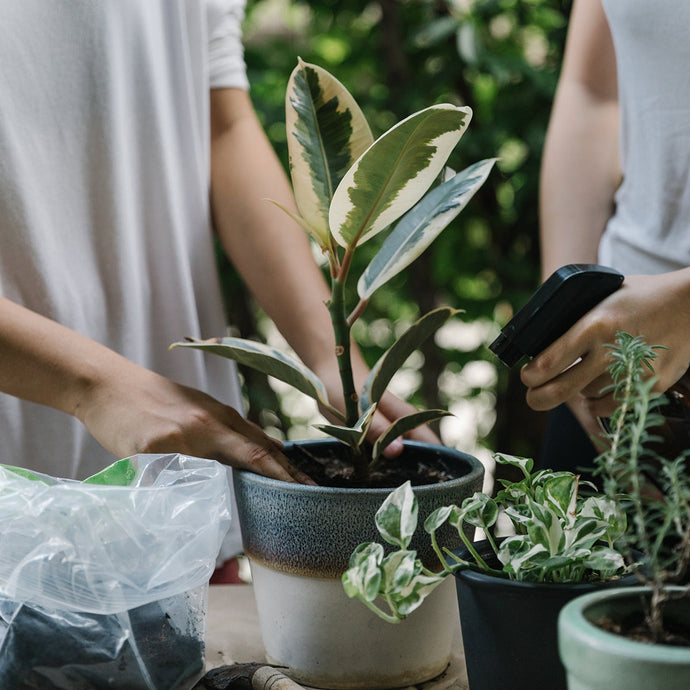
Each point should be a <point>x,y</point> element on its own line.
<point>312,530</point>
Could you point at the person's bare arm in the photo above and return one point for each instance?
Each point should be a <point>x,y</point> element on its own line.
<point>580,169</point>
<point>579,177</point>
<point>127,408</point>
<point>271,251</point>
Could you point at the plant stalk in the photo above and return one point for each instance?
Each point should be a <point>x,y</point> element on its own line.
<point>343,352</point>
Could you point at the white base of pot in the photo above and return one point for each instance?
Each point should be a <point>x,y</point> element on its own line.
<point>330,641</point>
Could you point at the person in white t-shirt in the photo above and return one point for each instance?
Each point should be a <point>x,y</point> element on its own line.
<point>615,191</point>
<point>126,135</point>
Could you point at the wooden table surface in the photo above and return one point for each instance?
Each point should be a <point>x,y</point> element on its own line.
<point>233,636</point>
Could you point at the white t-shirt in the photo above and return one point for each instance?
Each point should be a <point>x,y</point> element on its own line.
<point>104,192</point>
<point>650,231</point>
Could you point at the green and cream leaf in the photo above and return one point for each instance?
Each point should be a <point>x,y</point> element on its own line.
<point>392,360</point>
<point>421,226</point>
<point>352,436</point>
<point>404,424</point>
<point>396,519</point>
<point>268,360</point>
<point>327,132</point>
<point>394,173</point>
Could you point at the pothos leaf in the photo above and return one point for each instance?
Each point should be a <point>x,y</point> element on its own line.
<point>525,464</point>
<point>396,519</point>
<point>363,578</point>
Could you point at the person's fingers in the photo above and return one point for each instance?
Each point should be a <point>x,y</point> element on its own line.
<point>262,454</point>
<point>270,463</point>
<point>561,387</point>
<point>601,407</point>
<point>599,388</point>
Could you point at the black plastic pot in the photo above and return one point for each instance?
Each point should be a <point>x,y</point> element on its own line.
<point>510,629</point>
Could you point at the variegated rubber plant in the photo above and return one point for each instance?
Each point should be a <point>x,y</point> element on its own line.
<point>349,189</point>
<point>559,537</point>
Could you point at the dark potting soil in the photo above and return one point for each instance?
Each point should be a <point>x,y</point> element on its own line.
<point>634,627</point>
<point>65,650</point>
<point>332,467</point>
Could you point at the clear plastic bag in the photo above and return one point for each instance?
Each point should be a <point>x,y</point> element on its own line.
<point>103,583</point>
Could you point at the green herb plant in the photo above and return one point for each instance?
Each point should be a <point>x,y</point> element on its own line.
<point>559,536</point>
<point>652,489</point>
<point>349,189</point>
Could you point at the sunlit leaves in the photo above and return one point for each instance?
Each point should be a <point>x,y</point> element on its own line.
<point>394,173</point>
<point>265,359</point>
<point>327,133</point>
<point>392,360</point>
<point>421,226</point>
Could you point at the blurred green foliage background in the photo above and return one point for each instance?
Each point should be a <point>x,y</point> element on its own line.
<point>501,57</point>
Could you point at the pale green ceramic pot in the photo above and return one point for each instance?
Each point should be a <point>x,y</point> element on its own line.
<point>598,660</point>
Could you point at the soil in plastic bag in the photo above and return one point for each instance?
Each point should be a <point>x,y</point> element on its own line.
<point>140,649</point>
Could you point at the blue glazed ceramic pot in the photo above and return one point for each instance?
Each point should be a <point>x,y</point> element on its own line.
<point>299,540</point>
<point>312,530</point>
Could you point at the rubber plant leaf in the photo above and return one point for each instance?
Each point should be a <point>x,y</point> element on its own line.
<point>353,436</point>
<point>265,359</point>
<point>394,173</point>
<point>392,360</point>
<point>327,132</point>
<point>402,425</point>
<point>420,226</point>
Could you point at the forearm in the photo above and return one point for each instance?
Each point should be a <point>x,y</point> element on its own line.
<point>578,179</point>
<point>580,168</point>
<point>127,408</point>
<point>47,363</point>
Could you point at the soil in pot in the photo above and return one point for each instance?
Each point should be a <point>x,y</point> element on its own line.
<point>332,466</point>
<point>634,626</point>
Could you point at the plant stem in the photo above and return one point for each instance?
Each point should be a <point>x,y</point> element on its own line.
<point>475,554</point>
<point>343,352</point>
<point>380,612</point>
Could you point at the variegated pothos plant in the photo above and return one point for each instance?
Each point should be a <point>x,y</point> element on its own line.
<point>558,537</point>
<point>350,188</point>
